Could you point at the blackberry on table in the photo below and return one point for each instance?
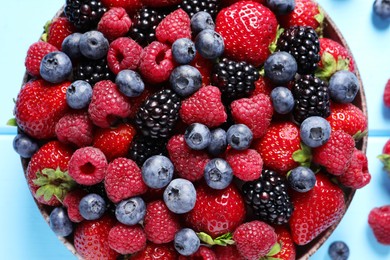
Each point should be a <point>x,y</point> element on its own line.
<point>144,147</point>
<point>84,14</point>
<point>92,71</point>
<point>191,7</point>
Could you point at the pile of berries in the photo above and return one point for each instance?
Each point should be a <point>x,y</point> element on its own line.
<point>190,129</point>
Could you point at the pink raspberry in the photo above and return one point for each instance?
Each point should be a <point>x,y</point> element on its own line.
<point>356,176</point>
<point>34,56</point>
<point>124,53</point>
<point>114,23</point>
<point>87,166</point>
<point>71,202</point>
<point>175,26</point>
<point>246,165</point>
<point>127,239</point>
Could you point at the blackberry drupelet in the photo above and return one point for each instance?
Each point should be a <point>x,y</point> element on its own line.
<point>268,198</point>
<point>311,96</point>
<point>92,71</point>
<point>84,14</point>
<point>191,7</point>
<point>157,117</point>
<point>302,43</point>
<point>144,147</point>
<point>234,79</point>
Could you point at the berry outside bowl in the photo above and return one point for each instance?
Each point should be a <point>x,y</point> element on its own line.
<point>303,252</point>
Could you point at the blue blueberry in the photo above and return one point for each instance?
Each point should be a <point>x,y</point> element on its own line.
<point>157,171</point>
<point>315,131</point>
<point>201,21</point>
<point>56,67</point>
<point>79,94</point>
<point>281,7</point>
<point>197,136</point>
<point>180,196</point>
<point>282,100</point>
<point>183,51</point>
<point>218,174</point>
<point>218,142</point>
<point>343,86</point>
<point>92,206</point>
<point>93,45</point>
<point>338,250</point>
<point>24,145</point>
<point>209,44</point>
<point>239,137</point>
<point>280,67</point>
<point>60,222</point>
<point>382,8</point>
<point>71,45</point>
<point>130,83</point>
<point>130,211</point>
<point>186,242</point>
<point>301,179</point>
<point>185,80</point>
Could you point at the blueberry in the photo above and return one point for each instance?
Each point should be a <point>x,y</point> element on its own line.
<point>60,222</point>
<point>56,67</point>
<point>239,137</point>
<point>180,196</point>
<point>185,80</point>
<point>382,8</point>
<point>315,131</point>
<point>130,211</point>
<point>93,45</point>
<point>201,21</point>
<point>24,145</point>
<point>157,171</point>
<point>218,142</point>
<point>281,7</point>
<point>71,45</point>
<point>280,67</point>
<point>343,86</point>
<point>282,100</point>
<point>338,250</point>
<point>183,51</point>
<point>92,206</point>
<point>209,44</point>
<point>130,83</point>
<point>186,242</point>
<point>218,174</point>
<point>301,179</point>
<point>197,136</point>
<point>79,94</point>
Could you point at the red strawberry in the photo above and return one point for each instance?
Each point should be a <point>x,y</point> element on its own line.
<point>230,2</point>
<point>156,252</point>
<point>227,253</point>
<point>316,210</point>
<point>114,23</point>
<point>127,239</point>
<point>356,176</point>
<point>189,164</point>
<point>216,212</point>
<point>91,239</point>
<point>47,174</point>
<point>205,107</point>
<point>247,165</point>
<point>160,3</point>
<point>203,253</point>
<point>175,26</point>
<point>124,53</point>
<point>39,106</point>
<point>248,28</point>
<point>379,221</point>
<point>71,202</point>
<point>263,86</point>
<point>255,112</point>
<point>204,66</point>
<point>58,30</point>
<point>386,94</point>
<point>130,6</point>
<point>385,156</point>
<point>287,251</point>
<point>34,56</point>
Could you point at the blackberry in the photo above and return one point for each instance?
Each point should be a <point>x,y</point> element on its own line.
<point>302,43</point>
<point>144,147</point>
<point>191,7</point>
<point>234,79</point>
<point>311,96</point>
<point>92,71</point>
<point>157,116</point>
<point>84,14</point>
<point>268,198</point>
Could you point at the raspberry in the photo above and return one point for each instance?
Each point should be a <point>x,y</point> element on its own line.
<point>386,94</point>
<point>160,3</point>
<point>71,202</point>
<point>115,23</point>
<point>356,176</point>
<point>205,107</point>
<point>87,166</point>
<point>247,165</point>
<point>175,26</point>
<point>379,219</point>
<point>58,30</point>
<point>34,56</point>
<point>129,5</point>
<point>123,180</point>
<point>124,53</point>
<point>127,239</point>
<point>188,163</point>
<point>156,62</point>
<point>107,104</point>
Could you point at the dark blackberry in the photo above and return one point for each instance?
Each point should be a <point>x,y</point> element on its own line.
<point>268,198</point>
<point>302,43</point>
<point>311,96</point>
<point>144,147</point>
<point>92,71</point>
<point>157,117</point>
<point>191,7</point>
<point>84,14</point>
<point>234,79</point>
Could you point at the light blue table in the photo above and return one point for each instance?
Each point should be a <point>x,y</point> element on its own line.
<point>25,235</point>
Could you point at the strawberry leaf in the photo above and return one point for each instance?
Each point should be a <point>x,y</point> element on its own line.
<point>273,46</point>
<point>359,135</point>
<point>224,240</point>
<point>320,17</point>
<point>12,122</point>
<point>329,66</point>
<point>274,251</point>
<point>342,64</point>
<point>303,156</point>
<point>385,159</point>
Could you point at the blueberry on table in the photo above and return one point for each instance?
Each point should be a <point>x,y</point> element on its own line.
<point>315,131</point>
<point>183,51</point>
<point>60,222</point>
<point>56,67</point>
<point>280,67</point>
<point>180,196</point>
<point>301,179</point>
<point>130,211</point>
<point>186,242</point>
<point>343,86</point>
<point>157,171</point>
<point>197,136</point>
<point>24,145</point>
<point>282,100</point>
<point>130,83</point>
<point>239,136</point>
<point>338,250</point>
<point>209,44</point>
<point>92,206</point>
<point>79,94</point>
<point>218,174</point>
<point>382,8</point>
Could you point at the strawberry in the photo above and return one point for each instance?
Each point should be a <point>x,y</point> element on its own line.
<point>91,239</point>
<point>71,202</point>
<point>246,165</point>
<point>131,6</point>
<point>386,94</point>
<point>316,210</point>
<point>287,251</point>
<point>204,66</point>
<point>230,2</point>
<point>227,253</point>
<point>385,156</point>
<point>379,220</point>
<point>47,173</point>
<point>216,212</point>
<point>39,106</point>
<point>248,28</point>
<point>114,23</point>
<point>58,29</point>
<point>263,86</point>
<point>160,3</point>
<point>34,56</point>
<point>203,253</point>
<point>175,26</point>
<point>127,239</point>
<point>356,175</point>
<point>156,252</point>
